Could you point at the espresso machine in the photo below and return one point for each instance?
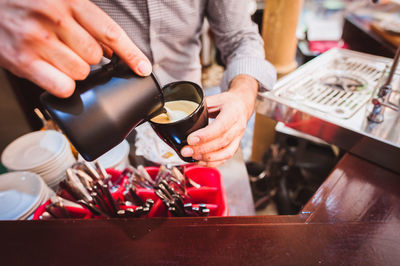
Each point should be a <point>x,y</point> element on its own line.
<point>346,98</point>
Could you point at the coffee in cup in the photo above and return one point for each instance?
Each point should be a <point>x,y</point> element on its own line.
<point>175,111</point>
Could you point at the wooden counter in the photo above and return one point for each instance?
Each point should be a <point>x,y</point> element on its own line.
<point>353,219</point>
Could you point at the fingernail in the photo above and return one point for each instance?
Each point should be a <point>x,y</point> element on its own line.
<point>202,163</point>
<point>187,152</point>
<point>193,140</point>
<point>144,68</point>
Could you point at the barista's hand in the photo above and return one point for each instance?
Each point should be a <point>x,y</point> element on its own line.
<point>52,43</point>
<point>218,142</point>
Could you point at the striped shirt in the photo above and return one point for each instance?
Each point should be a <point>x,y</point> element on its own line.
<point>168,32</point>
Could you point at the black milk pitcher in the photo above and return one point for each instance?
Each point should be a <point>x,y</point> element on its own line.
<point>105,107</point>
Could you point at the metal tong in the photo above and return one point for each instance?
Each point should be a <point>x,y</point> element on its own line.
<point>175,204</point>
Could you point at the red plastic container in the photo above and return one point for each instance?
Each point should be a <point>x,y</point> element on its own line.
<point>211,192</point>
<point>77,213</point>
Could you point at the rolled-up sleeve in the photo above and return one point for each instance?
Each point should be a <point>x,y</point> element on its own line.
<point>240,44</point>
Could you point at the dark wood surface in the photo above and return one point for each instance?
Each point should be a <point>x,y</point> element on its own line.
<point>353,219</point>
<point>357,191</point>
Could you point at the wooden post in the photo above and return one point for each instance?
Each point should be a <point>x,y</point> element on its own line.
<point>280,42</point>
<point>279,33</point>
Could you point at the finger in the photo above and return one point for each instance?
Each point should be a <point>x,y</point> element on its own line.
<point>222,154</point>
<point>108,32</point>
<point>218,127</point>
<point>214,101</point>
<point>63,58</point>
<point>218,143</point>
<point>42,39</point>
<point>49,78</point>
<point>80,41</point>
<point>212,164</point>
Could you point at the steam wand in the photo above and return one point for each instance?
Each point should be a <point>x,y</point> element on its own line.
<point>383,97</point>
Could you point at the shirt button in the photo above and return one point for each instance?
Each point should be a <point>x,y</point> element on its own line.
<point>156,65</point>
<point>153,34</point>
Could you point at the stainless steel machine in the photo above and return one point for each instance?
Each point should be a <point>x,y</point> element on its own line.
<point>345,98</point>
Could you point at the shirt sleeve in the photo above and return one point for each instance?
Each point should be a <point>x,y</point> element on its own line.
<point>240,44</point>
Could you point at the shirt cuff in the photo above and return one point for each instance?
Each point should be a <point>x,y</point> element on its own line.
<point>257,68</point>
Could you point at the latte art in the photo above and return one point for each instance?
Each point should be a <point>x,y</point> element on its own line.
<point>176,110</point>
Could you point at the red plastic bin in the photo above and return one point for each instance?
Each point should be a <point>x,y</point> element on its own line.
<point>211,192</point>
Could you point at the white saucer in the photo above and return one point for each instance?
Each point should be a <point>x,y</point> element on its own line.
<point>44,196</point>
<point>53,161</point>
<point>20,193</point>
<point>33,150</point>
<point>53,171</point>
